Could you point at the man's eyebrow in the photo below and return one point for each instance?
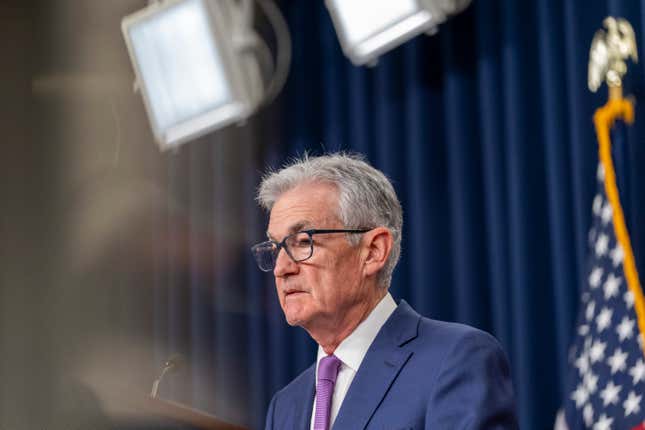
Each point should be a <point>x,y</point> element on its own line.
<point>298,226</point>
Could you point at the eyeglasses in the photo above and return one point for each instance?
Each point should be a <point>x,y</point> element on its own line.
<point>298,246</point>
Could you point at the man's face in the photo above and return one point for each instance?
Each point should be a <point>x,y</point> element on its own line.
<point>318,292</point>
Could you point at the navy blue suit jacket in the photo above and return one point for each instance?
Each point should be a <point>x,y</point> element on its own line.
<point>417,374</point>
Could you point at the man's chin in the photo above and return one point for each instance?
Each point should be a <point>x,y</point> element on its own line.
<point>296,317</point>
<point>294,320</point>
<point>293,323</point>
<point>294,311</point>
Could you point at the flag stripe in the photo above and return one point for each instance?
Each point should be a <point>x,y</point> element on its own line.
<point>603,120</point>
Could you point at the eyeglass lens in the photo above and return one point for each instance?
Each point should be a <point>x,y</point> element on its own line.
<point>298,246</point>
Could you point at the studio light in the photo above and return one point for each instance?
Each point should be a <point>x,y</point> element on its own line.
<point>368,28</point>
<point>200,66</point>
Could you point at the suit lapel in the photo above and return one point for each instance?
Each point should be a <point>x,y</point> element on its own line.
<point>384,360</point>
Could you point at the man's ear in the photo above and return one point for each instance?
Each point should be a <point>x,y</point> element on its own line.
<point>378,245</point>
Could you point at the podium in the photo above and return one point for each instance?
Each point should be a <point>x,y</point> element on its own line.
<point>147,413</point>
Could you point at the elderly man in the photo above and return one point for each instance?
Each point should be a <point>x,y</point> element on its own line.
<point>334,240</point>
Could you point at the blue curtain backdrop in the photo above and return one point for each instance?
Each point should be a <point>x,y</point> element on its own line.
<point>486,131</point>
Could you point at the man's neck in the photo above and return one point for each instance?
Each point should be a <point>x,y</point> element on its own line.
<point>330,337</point>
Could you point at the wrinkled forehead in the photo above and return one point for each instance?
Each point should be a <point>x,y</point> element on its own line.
<point>306,206</point>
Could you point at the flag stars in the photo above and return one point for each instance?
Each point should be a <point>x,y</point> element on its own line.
<point>632,404</point>
<point>628,297</point>
<point>597,204</point>
<point>601,245</point>
<point>587,414</point>
<point>592,236</point>
<point>604,423</point>
<point>617,255</point>
<point>610,394</point>
<point>580,396</point>
<point>618,361</point>
<point>606,213</point>
<point>597,351</point>
<point>610,378</point>
<point>600,173</point>
<point>589,312</point>
<point>582,363</point>
<point>587,343</point>
<point>611,285</point>
<point>595,277</point>
<point>638,372</point>
<point>603,320</point>
<point>625,329</point>
<point>590,382</point>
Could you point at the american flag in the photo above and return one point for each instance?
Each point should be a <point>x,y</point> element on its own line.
<point>606,386</point>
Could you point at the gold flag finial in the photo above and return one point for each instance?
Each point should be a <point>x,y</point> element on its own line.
<point>609,50</point>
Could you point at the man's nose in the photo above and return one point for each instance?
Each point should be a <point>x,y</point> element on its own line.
<point>284,265</point>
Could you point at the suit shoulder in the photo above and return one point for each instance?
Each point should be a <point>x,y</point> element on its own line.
<point>473,370</point>
<point>454,334</point>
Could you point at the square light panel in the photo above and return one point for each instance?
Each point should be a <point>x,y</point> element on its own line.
<point>186,68</point>
<point>368,28</point>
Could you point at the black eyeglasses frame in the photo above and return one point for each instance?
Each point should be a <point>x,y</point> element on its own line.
<point>282,244</point>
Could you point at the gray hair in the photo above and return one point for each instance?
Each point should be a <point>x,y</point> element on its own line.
<point>366,197</point>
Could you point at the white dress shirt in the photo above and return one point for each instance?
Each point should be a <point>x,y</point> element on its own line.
<point>351,352</point>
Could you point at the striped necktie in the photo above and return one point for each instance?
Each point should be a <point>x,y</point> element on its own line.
<point>327,372</point>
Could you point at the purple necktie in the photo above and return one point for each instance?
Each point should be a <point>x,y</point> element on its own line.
<point>327,371</point>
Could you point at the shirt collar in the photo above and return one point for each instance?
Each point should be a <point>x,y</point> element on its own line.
<point>353,348</point>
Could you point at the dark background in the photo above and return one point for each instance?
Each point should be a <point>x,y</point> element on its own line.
<point>115,256</point>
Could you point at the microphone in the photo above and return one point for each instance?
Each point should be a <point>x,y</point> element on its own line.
<point>173,363</point>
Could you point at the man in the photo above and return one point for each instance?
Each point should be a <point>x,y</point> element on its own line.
<point>334,240</point>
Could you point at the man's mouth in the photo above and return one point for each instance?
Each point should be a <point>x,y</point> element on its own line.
<point>290,293</point>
